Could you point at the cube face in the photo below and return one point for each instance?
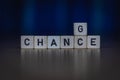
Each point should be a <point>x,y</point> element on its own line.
<point>93,42</point>
<point>40,42</point>
<point>53,41</point>
<point>26,41</point>
<point>67,41</point>
<point>80,29</point>
<point>80,42</point>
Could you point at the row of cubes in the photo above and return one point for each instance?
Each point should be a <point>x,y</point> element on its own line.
<point>60,41</point>
<point>79,40</point>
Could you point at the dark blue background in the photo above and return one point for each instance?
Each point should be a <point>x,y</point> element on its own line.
<point>56,17</point>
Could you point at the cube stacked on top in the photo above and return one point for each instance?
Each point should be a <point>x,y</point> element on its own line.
<point>80,32</point>
<point>79,40</point>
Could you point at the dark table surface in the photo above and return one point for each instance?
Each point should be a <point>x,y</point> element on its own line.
<point>59,64</point>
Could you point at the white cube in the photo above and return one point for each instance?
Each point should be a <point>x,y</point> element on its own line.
<point>26,41</point>
<point>40,42</point>
<point>93,41</point>
<point>80,28</point>
<point>80,42</point>
<point>67,41</point>
<point>53,41</point>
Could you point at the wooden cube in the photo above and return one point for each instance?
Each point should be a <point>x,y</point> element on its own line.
<point>67,41</point>
<point>80,29</point>
<point>26,41</point>
<point>80,42</point>
<point>53,41</point>
<point>40,42</point>
<point>93,41</point>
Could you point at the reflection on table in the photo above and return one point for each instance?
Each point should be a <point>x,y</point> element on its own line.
<point>60,63</point>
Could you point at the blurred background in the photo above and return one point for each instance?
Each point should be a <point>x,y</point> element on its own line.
<point>56,17</point>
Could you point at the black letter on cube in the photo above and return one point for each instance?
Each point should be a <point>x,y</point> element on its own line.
<point>27,44</point>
